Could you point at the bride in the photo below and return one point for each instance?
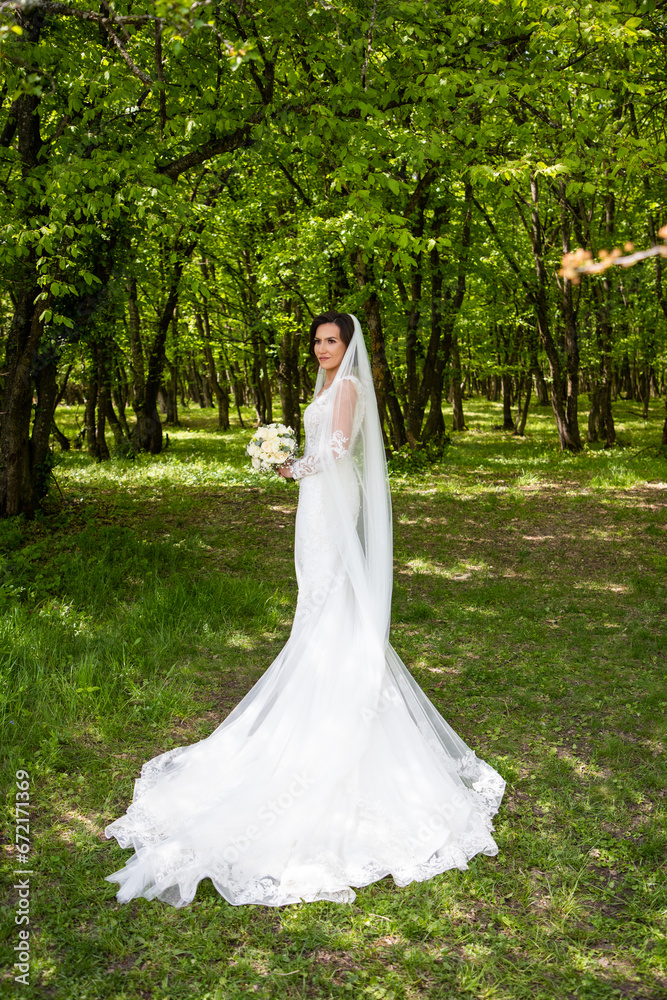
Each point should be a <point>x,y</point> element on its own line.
<point>335,769</point>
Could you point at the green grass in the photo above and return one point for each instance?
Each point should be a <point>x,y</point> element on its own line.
<point>529,602</point>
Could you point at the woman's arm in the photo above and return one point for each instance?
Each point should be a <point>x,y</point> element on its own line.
<point>341,434</point>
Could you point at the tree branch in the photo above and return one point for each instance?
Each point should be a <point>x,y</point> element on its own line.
<point>213,147</point>
<point>62,9</point>
<point>425,182</point>
<point>369,47</point>
<point>295,184</point>
<point>139,73</point>
<point>494,232</point>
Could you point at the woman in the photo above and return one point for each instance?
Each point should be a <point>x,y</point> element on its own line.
<point>335,769</point>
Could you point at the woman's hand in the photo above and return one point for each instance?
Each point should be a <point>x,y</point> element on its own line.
<point>285,471</point>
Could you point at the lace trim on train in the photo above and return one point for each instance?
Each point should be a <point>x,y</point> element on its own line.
<point>482,780</point>
<point>172,874</point>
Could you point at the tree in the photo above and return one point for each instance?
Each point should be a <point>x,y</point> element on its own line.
<point>203,179</point>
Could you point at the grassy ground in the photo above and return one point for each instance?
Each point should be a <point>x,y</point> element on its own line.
<point>530,599</point>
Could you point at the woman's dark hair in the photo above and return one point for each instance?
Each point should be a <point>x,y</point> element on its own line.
<point>341,320</point>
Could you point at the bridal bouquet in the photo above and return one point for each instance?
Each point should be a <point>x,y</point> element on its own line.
<point>271,446</point>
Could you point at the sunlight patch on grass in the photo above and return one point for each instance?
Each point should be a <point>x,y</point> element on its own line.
<point>71,823</point>
<point>240,640</point>
<point>599,586</point>
<point>581,765</point>
<point>485,612</point>
<point>461,570</point>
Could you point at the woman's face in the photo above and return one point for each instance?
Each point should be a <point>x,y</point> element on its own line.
<point>329,347</point>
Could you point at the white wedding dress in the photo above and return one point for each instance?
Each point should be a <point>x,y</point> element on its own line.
<point>335,769</point>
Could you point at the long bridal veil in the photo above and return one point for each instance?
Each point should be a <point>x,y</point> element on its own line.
<point>363,535</point>
<point>335,769</point>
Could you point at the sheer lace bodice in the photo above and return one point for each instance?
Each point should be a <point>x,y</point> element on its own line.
<point>318,564</point>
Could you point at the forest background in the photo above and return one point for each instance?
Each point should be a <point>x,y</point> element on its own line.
<point>182,187</point>
<point>185,186</point>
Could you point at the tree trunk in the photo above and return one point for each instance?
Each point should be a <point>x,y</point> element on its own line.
<point>103,403</point>
<point>263,410</point>
<point>645,389</point>
<point>147,433</point>
<point>223,403</point>
<point>539,383</point>
<point>171,392</point>
<point>437,357</point>
<point>196,383</point>
<point>100,425</point>
<point>443,355</point>
<point>522,417</point>
<point>662,299</point>
<point>61,438</point>
<point>570,315</point>
<point>172,400</point>
<point>118,399</point>
<point>89,413</point>
<point>180,376</point>
<point>207,389</point>
<point>40,451</point>
<point>385,391</point>
<point>266,382</point>
<point>593,412</point>
<point>221,391</point>
<point>605,340</point>
<point>136,347</point>
<point>238,386</point>
<point>116,427</point>
<point>458,420</point>
<point>22,479</point>
<point>626,378</point>
<point>288,370</point>
<point>508,419</point>
<point>533,378</point>
<point>119,396</point>
<point>606,412</point>
<point>414,406</point>
<point>568,431</point>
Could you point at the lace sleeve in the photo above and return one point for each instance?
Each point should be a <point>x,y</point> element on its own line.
<point>310,464</point>
<point>345,406</point>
